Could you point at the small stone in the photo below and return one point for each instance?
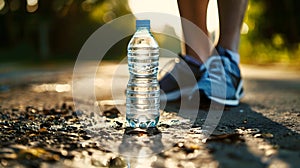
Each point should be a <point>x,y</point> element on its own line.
<point>96,163</point>
<point>49,112</point>
<point>268,135</point>
<point>153,131</point>
<point>64,106</point>
<point>222,128</point>
<point>31,109</point>
<point>92,115</point>
<point>43,130</point>
<point>64,152</point>
<point>180,144</point>
<point>196,130</point>
<point>8,156</point>
<point>117,125</point>
<point>116,162</point>
<point>70,108</point>
<point>258,136</point>
<point>4,162</point>
<point>86,137</point>
<point>175,122</point>
<point>265,135</point>
<point>22,140</point>
<point>111,113</point>
<point>252,131</point>
<point>187,148</point>
<point>14,109</point>
<point>32,135</point>
<point>77,113</point>
<point>45,125</point>
<point>270,152</point>
<point>164,125</point>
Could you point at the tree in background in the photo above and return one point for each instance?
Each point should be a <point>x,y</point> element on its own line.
<point>273,34</point>
<point>43,29</point>
<point>52,28</point>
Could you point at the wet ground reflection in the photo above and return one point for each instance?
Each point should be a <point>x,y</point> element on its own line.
<point>51,87</point>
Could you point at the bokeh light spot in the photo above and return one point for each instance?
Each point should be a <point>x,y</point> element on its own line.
<point>278,40</point>
<point>32,2</point>
<point>108,16</point>
<point>14,5</point>
<point>86,6</point>
<point>32,8</point>
<point>245,28</point>
<point>2,4</point>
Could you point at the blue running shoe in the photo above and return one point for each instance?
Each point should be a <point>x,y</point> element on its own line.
<point>178,77</point>
<point>221,80</point>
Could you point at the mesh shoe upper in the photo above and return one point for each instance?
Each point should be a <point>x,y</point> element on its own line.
<point>178,77</point>
<point>221,80</point>
<point>218,79</point>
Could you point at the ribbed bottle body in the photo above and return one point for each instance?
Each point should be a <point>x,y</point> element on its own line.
<point>142,93</point>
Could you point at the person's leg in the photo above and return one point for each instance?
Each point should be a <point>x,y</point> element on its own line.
<point>219,78</point>
<point>185,72</point>
<point>231,14</point>
<point>194,11</point>
<point>222,81</point>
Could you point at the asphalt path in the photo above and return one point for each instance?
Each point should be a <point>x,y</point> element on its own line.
<point>263,131</point>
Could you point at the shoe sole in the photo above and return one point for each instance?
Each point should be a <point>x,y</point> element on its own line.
<point>175,95</point>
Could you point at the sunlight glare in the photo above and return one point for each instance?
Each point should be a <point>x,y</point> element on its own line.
<point>171,7</point>
<point>32,2</point>
<point>212,16</point>
<point>32,5</point>
<point>51,87</point>
<point>157,6</point>
<point>245,28</point>
<point>2,4</point>
<point>62,87</point>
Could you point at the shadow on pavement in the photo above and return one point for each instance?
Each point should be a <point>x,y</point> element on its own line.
<point>266,142</point>
<point>246,138</point>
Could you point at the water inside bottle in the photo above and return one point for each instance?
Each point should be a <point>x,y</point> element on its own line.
<point>143,61</point>
<point>142,93</point>
<point>142,102</point>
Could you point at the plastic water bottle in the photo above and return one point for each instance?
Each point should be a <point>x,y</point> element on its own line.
<point>142,94</point>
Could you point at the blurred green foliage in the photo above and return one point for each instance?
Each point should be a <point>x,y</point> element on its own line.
<point>273,34</point>
<point>57,29</point>
<point>52,29</point>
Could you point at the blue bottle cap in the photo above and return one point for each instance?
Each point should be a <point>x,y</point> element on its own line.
<point>142,23</point>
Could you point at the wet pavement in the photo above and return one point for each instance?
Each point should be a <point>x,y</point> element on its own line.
<point>44,125</point>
